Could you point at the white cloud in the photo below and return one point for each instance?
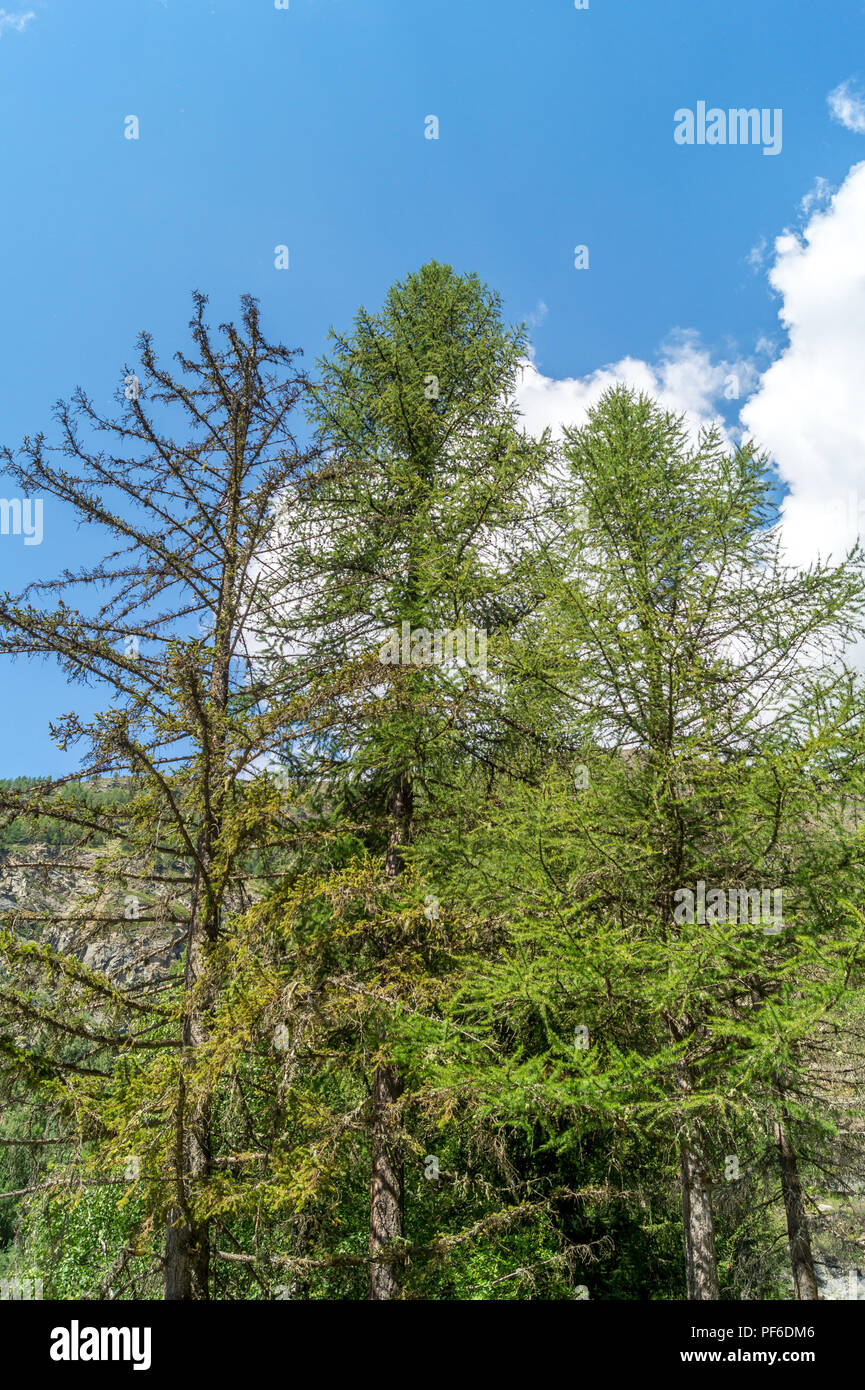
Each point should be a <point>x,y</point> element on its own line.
<point>807,410</point>
<point>17,21</point>
<point>817,197</point>
<point>847,107</point>
<point>683,379</point>
<point>538,314</point>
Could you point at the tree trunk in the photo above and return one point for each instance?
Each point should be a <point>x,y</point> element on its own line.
<point>701,1266</point>
<point>386,1187</point>
<point>386,1215</point>
<point>187,1242</point>
<point>399,828</point>
<point>701,1261</point>
<point>801,1257</point>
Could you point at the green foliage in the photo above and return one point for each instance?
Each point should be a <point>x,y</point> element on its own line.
<point>471,879</point>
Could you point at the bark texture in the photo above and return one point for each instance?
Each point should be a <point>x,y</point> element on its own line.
<point>386,1187</point>
<point>701,1268</point>
<point>801,1257</point>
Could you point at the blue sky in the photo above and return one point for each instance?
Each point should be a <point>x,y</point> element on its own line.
<point>305,127</point>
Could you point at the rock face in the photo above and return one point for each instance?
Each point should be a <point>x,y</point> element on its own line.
<point>41,888</point>
<point>837,1283</point>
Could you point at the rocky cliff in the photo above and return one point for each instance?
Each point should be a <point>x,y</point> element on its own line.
<point>54,895</point>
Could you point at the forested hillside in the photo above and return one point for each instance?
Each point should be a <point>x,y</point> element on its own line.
<point>460,894</point>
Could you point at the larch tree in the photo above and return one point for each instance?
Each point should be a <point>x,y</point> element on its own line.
<point>409,563</point>
<point>186,497</point>
<point>692,692</point>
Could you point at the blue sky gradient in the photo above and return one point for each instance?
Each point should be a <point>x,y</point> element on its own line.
<point>305,127</point>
